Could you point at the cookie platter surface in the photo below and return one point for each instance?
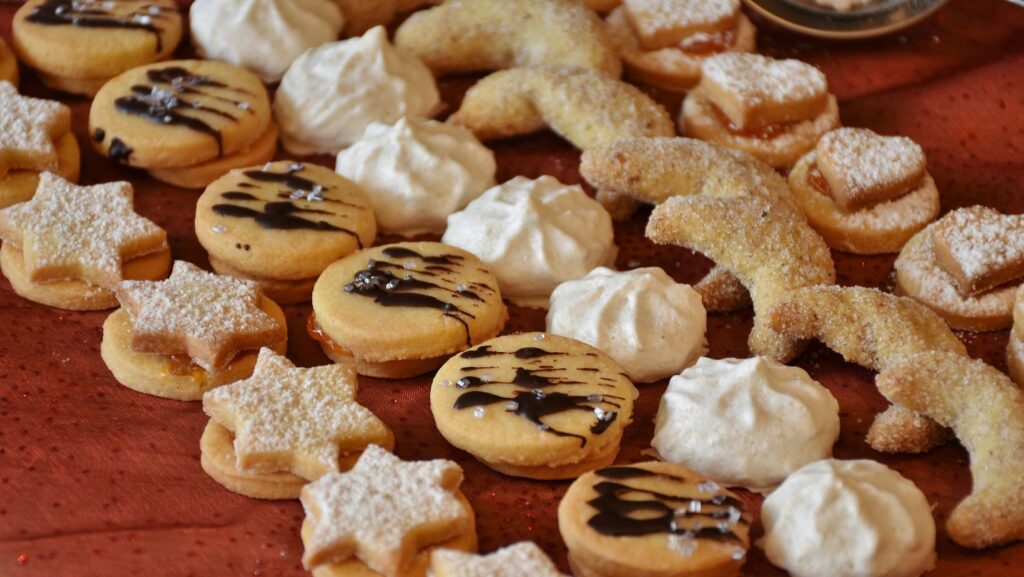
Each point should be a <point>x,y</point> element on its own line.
<point>96,479</point>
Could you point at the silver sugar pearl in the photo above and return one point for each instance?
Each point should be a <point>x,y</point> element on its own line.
<point>738,553</point>
<point>708,487</point>
<point>695,506</point>
<point>538,337</point>
<point>218,229</point>
<point>446,383</point>
<point>479,412</point>
<point>511,406</point>
<point>595,398</point>
<point>409,265</point>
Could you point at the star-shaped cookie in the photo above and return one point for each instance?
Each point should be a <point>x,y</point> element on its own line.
<point>210,318</point>
<point>382,511</point>
<point>28,128</point>
<point>524,559</point>
<point>293,419</point>
<point>71,232</point>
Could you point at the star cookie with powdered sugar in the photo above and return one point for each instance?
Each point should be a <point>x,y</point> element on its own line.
<point>209,317</point>
<point>28,129</point>
<point>287,418</point>
<point>383,511</point>
<point>523,559</point>
<point>71,232</point>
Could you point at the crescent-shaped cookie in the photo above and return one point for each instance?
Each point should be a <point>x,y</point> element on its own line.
<point>769,248</point>
<point>872,329</point>
<point>986,411</point>
<point>475,35</point>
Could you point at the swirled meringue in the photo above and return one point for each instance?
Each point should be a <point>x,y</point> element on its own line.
<point>281,30</point>
<point>746,423</point>
<point>418,172</point>
<point>534,234</point>
<point>650,324</point>
<point>332,93</point>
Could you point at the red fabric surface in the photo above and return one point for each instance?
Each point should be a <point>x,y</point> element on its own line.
<point>97,480</point>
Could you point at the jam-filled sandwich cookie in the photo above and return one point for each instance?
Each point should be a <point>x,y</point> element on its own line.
<point>186,121</point>
<point>385,517</point>
<point>195,331</point>
<point>282,224</point>
<point>652,519</point>
<point>70,245</point>
<point>35,136</point>
<point>401,310</point>
<point>534,405</point>
<point>663,43</point>
<point>284,426</point>
<point>8,64</point>
<point>863,192</point>
<point>966,267</point>
<point>524,559</point>
<point>77,45</point>
<point>775,110</point>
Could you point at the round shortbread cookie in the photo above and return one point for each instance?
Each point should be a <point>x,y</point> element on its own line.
<point>201,175</point>
<point>879,229</point>
<point>919,275</point>
<point>780,146</point>
<point>76,46</point>
<point>405,307</point>
<point>20,185</point>
<point>686,525</point>
<point>534,405</point>
<point>675,68</point>
<point>178,113</point>
<point>8,64</point>
<point>171,377</point>
<point>77,295</point>
<point>282,224</point>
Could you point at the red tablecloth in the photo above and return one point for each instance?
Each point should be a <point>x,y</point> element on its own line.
<point>97,480</point>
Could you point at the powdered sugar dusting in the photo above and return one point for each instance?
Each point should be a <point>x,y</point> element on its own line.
<point>673,20</point>
<point>983,241</point>
<point>27,128</point>
<point>756,79</point>
<point>374,507</point>
<point>865,161</point>
<point>68,231</point>
<point>524,559</point>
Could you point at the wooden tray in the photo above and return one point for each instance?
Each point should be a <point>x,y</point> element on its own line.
<point>97,480</point>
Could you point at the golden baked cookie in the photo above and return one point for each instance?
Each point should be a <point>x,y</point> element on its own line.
<point>183,336</point>
<point>602,6</point>
<point>476,35</point>
<point>69,246</point>
<point>534,405</point>
<point>361,15</point>
<point>652,519</point>
<point>77,46</point>
<point>775,110</point>
<point>281,224</point>
<point>8,64</point>
<point>402,309</point>
<point>257,152</point>
<point>920,274</point>
<point>20,185</point>
<point>178,113</point>
<point>285,421</point>
<point>523,559</point>
<point>676,67</point>
<point>582,105</point>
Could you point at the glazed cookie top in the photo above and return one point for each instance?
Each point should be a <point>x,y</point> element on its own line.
<point>284,219</point>
<point>532,394</point>
<point>655,515</point>
<point>407,300</point>
<point>95,38</point>
<point>178,113</point>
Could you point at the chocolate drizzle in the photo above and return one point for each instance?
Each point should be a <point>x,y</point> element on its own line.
<point>283,214</point>
<point>534,401</point>
<point>119,151</point>
<point>391,290</point>
<point>172,92</point>
<point>628,510</point>
<point>125,14</point>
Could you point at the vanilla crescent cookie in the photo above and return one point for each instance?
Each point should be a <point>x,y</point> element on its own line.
<point>872,329</point>
<point>282,224</point>
<point>534,405</point>
<point>1015,345</point>
<point>986,411</point>
<point>653,519</point>
<point>920,272</point>
<point>195,331</point>
<point>382,513</point>
<point>8,64</point>
<point>76,45</point>
<point>178,114</point>
<point>767,246</point>
<point>476,35</point>
<point>524,559</point>
<point>286,421</point>
<point>361,15</point>
<point>70,246</point>
<point>773,109</point>
<point>402,309</point>
<point>582,105</point>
